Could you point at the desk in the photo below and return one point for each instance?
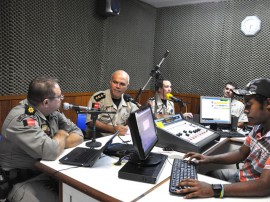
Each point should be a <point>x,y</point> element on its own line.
<point>101,182</point>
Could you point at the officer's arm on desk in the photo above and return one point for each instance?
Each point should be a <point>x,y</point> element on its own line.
<point>73,140</point>
<point>109,128</point>
<point>60,137</point>
<point>67,140</point>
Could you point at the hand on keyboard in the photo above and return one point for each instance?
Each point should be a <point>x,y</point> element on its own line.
<point>195,189</point>
<point>181,169</point>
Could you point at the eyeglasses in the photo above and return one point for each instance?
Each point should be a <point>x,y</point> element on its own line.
<point>61,97</point>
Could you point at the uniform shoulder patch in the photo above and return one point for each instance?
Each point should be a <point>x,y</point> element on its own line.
<point>29,110</point>
<point>99,96</point>
<point>29,122</point>
<point>152,98</point>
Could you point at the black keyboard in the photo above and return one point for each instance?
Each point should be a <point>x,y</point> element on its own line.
<point>181,169</point>
<point>230,134</point>
<point>82,155</point>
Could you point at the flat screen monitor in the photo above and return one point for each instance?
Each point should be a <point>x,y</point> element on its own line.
<point>215,111</point>
<point>144,135</point>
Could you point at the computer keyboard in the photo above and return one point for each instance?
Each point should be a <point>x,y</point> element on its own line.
<point>230,134</point>
<point>181,169</point>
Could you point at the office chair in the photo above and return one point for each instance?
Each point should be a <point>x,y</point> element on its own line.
<point>81,119</point>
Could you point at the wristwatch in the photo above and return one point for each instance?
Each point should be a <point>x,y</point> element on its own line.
<point>217,188</point>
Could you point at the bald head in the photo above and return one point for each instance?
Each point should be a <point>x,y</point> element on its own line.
<point>122,74</point>
<point>119,83</point>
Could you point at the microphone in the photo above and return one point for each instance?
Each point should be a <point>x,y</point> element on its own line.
<point>80,109</point>
<point>169,96</point>
<point>67,106</point>
<point>128,98</point>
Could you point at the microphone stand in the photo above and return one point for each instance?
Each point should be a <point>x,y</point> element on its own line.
<point>181,104</point>
<point>93,142</point>
<point>94,116</point>
<point>154,72</point>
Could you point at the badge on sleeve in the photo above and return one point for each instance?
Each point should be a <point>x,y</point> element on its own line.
<point>99,96</point>
<point>29,122</point>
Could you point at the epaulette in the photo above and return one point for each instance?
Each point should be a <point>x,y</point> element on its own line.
<point>152,98</point>
<point>29,110</point>
<point>99,96</point>
<point>28,118</point>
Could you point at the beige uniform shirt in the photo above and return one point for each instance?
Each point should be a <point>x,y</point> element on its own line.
<point>106,104</point>
<point>237,109</point>
<point>27,136</point>
<point>161,108</point>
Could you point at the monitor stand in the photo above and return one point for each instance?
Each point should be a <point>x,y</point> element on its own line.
<point>214,126</point>
<point>143,172</point>
<point>151,160</point>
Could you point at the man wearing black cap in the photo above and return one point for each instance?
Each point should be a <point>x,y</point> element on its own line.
<point>253,179</point>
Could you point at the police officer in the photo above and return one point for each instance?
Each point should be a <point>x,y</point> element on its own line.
<point>165,107</point>
<point>112,100</point>
<point>35,130</point>
<point>237,107</point>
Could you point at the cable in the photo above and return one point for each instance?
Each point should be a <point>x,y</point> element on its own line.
<point>127,141</point>
<point>53,175</point>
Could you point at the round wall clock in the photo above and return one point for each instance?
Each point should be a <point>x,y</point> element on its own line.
<point>251,25</point>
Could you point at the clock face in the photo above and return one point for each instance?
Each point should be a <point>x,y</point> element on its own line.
<point>251,25</point>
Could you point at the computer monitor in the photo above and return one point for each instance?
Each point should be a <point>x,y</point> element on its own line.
<point>144,136</point>
<point>215,111</point>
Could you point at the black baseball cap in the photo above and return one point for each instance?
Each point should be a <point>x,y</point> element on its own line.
<point>259,86</point>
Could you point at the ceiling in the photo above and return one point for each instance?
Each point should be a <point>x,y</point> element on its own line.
<point>167,3</point>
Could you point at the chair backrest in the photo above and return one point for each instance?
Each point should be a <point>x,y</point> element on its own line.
<point>81,119</point>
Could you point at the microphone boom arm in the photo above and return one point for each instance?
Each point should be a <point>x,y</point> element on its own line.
<point>155,72</point>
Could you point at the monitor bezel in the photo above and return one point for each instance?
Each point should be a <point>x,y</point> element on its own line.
<point>135,134</point>
<point>203,121</point>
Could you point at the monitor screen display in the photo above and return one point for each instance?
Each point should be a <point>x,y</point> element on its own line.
<point>143,131</point>
<point>215,110</point>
